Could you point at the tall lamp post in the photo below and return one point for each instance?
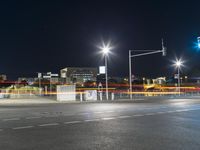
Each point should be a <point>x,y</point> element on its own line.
<point>178,65</point>
<point>106,50</point>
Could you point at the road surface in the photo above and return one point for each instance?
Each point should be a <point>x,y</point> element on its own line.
<point>164,124</point>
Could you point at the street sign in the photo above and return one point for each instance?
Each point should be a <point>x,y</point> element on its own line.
<point>102,69</point>
<point>39,75</point>
<point>175,76</point>
<point>46,77</point>
<point>54,75</point>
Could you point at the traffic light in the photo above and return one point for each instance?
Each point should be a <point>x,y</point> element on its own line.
<point>164,51</point>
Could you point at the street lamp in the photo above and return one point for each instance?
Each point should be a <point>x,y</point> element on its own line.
<point>106,49</point>
<point>178,64</point>
<point>198,42</point>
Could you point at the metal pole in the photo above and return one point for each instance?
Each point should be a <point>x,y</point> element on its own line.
<point>130,74</point>
<point>106,65</point>
<point>40,86</point>
<point>179,88</point>
<point>50,86</point>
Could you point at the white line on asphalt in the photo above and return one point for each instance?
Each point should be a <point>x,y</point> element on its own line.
<point>33,117</point>
<point>171,111</point>
<point>48,124</point>
<point>108,118</point>
<point>109,111</point>
<point>150,114</point>
<point>90,120</point>
<point>11,119</point>
<point>72,122</point>
<point>138,115</point>
<point>84,113</point>
<point>161,112</point>
<point>121,117</point>
<point>24,127</point>
<point>98,112</point>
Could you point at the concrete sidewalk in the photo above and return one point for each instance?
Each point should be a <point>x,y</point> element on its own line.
<point>27,101</point>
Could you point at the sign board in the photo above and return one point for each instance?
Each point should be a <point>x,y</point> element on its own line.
<point>102,69</point>
<point>39,75</point>
<point>54,75</point>
<point>176,76</point>
<point>46,76</point>
<point>90,95</point>
<point>66,92</point>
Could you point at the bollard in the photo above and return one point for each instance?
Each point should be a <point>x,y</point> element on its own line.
<point>112,96</point>
<point>81,96</point>
<point>100,96</point>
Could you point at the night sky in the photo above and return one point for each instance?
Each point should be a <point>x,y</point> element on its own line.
<point>42,36</point>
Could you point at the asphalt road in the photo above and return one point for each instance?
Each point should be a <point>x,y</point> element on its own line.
<point>164,124</point>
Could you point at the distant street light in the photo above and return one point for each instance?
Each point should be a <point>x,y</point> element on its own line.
<point>106,49</point>
<point>198,42</point>
<point>178,64</point>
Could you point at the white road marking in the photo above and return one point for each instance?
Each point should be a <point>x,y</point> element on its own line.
<point>161,112</point>
<point>84,113</point>
<point>98,112</point>
<point>90,120</point>
<point>33,117</point>
<point>72,122</point>
<point>109,111</point>
<point>108,118</point>
<point>24,127</point>
<point>11,119</point>
<point>121,117</point>
<point>171,111</point>
<point>48,124</point>
<point>138,115</point>
<point>150,114</point>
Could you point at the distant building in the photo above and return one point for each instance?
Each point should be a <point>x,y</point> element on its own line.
<point>3,77</point>
<point>79,75</point>
<point>28,80</point>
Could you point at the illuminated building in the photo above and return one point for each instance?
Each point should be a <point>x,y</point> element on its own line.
<point>79,75</point>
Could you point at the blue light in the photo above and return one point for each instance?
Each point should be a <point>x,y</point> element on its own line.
<point>198,42</point>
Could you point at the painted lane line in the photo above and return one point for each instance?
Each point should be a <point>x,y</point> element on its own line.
<point>98,112</point>
<point>110,111</point>
<point>150,114</point>
<point>121,117</point>
<point>91,120</point>
<point>84,113</point>
<point>11,119</point>
<point>108,118</point>
<point>72,122</point>
<point>48,124</point>
<point>171,111</point>
<point>24,127</point>
<point>161,112</point>
<point>33,117</point>
<point>138,115</point>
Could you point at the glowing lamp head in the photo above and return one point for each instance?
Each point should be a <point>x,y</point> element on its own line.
<point>178,63</point>
<point>198,45</point>
<point>106,50</point>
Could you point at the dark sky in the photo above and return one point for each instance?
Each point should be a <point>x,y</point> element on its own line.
<point>41,36</point>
